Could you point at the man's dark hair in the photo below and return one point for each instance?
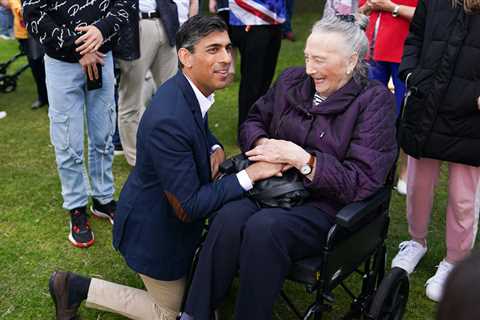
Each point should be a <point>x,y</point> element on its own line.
<point>195,29</point>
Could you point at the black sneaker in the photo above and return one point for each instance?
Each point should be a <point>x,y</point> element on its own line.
<point>81,235</point>
<point>104,211</point>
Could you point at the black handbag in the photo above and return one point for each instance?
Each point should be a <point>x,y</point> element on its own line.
<point>285,192</point>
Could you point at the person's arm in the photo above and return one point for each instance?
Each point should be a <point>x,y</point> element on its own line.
<point>174,162</point>
<point>404,11</point>
<point>43,28</point>
<point>413,44</point>
<point>370,156</point>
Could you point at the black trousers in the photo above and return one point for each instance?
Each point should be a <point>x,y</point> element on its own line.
<point>259,48</point>
<point>38,68</point>
<point>259,243</point>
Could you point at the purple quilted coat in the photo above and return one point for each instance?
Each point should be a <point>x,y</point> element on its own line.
<point>352,134</point>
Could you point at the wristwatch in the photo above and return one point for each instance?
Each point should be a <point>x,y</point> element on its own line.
<point>396,11</point>
<point>307,168</point>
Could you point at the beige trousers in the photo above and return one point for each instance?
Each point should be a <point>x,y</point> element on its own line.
<point>156,56</point>
<point>161,301</point>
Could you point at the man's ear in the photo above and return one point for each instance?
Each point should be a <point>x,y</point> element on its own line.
<point>185,57</point>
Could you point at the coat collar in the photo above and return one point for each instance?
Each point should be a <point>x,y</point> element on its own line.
<point>301,93</point>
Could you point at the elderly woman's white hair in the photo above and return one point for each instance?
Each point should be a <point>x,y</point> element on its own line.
<point>355,41</point>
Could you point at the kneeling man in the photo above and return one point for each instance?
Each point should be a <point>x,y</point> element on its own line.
<point>171,190</point>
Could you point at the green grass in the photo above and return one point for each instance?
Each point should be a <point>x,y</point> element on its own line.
<point>33,226</point>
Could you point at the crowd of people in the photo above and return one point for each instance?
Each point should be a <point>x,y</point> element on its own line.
<point>335,122</point>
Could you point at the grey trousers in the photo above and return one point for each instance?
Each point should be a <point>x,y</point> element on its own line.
<point>156,56</point>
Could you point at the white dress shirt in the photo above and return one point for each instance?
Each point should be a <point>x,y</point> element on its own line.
<point>205,104</point>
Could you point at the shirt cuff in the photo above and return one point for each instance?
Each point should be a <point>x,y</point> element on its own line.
<point>215,147</point>
<point>244,180</point>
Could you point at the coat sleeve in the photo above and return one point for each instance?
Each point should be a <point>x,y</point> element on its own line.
<point>414,41</point>
<point>370,155</point>
<point>43,28</point>
<point>117,16</point>
<point>175,166</point>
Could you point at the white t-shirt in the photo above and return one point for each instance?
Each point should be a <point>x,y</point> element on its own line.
<point>182,8</point>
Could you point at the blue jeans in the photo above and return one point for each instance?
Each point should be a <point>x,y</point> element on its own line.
<point>382,71</point>
<point>6,22</point>
<point>70,103</point>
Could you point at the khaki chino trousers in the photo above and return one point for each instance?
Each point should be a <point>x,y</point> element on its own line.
<point>161,301</point>
<point>156,56</point>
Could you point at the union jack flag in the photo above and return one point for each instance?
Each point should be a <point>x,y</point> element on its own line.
<point>257,12</point>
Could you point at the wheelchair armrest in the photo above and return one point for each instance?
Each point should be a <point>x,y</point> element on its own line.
<point>351,214</point>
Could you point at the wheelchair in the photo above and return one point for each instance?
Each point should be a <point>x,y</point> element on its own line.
<point>8,82</point>
<point>354,244</point>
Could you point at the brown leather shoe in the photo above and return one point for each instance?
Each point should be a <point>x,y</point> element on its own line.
<point>58,286</point>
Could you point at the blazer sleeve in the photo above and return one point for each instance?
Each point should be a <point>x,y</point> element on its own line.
<point>175,166</point>
<point>414,41</point>
<point>370,155</point>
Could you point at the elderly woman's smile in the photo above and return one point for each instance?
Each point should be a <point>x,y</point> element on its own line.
<point>328,61</point>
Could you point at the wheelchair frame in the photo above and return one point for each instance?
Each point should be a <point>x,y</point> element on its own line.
<point>381,297</point>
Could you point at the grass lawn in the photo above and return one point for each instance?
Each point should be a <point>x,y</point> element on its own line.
<point>34,227</point>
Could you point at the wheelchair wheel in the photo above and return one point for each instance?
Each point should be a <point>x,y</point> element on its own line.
<point>391,296</point>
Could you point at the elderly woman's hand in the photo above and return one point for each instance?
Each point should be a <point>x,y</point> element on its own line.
<point>279,151</point>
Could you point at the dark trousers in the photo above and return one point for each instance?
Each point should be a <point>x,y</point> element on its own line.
<point>259,48</point>
<point>35,61</point>
<point>259,242</point>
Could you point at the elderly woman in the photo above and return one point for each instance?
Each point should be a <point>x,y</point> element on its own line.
<point>334,126</point>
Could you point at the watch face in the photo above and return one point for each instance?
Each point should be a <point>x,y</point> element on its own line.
<point>306,169</point>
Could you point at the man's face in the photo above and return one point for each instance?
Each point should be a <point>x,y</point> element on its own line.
<point>208,65</point>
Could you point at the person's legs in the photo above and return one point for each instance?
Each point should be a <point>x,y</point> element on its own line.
<point>272,239</point>
<point>165,64</point>
<point>258,57</point>
<point>399,87</point>
<point>160,301</point>
<point>462,210</point>
<point>130,104</point>
<point>101,126</point>
<point>218,262</point>
<point>422,179</point>
<point>66,93</point>
<point>378,70</point>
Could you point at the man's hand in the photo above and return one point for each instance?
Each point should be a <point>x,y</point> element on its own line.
<point>381,5</point>
<point>89,64</point>
<point>262,170</point>
<point>216,158</point>
<point>478,103</point>
<point>90,41</point>
<point>279,151</point>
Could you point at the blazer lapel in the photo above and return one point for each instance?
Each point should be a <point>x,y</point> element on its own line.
<point>192,101</point>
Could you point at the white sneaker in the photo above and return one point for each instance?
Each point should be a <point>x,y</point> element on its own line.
<point>3,114</point>
<point>410,254</point>
<point>401,187</point>
<point>436,283</point>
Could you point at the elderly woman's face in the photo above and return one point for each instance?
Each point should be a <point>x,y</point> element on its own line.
<point>327,62</point>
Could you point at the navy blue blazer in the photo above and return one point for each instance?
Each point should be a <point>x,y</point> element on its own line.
<point>169,193</point>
